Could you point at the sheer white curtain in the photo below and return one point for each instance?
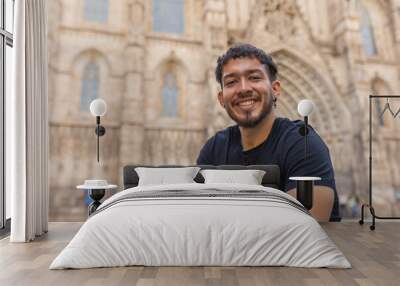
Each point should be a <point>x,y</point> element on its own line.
<point>27,122</point>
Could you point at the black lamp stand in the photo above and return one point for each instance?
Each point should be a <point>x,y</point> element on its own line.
<point>100,131</point>
<point>96,195</point>
<point>304,188</point>
<point>369,205</point>
<point>304,193</point>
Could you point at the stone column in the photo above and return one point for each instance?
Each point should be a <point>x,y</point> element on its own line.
<point>132,117</point>
<point>348,45</point>
<point>215,41</point>
<point>395,8</point>
<point>395,146</point>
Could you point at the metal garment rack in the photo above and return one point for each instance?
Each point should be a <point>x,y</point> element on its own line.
<point>369,205</point>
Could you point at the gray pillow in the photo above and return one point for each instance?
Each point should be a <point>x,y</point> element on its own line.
<point>248,177</point>
<point>162,176</point>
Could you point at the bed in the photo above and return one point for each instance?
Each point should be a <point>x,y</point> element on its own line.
<point>201,223</point>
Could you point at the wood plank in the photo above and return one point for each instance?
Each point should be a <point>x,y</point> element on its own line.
<point>374,255</point>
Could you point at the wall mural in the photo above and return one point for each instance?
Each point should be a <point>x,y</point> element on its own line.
<point>156,117</point>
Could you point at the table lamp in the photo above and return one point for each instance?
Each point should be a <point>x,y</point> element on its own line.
<point>304,190</point>
<point>98,108</point>
<point>305,108</point>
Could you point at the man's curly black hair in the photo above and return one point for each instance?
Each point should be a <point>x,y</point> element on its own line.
<point>249,51</point>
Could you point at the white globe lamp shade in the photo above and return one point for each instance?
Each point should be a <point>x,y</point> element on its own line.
<point>305,107</point>
<point>98,107</point>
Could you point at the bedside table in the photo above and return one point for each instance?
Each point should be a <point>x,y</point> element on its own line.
<point>304,190</point>
<point>97,190</point>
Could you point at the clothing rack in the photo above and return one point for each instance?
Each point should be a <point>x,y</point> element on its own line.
<point>369,205</point>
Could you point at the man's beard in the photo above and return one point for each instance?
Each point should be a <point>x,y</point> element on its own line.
<point>251,122</point>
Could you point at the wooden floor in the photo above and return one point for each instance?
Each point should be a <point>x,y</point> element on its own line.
<point>374,255</point>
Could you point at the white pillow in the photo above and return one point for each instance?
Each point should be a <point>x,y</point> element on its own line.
<point>248,177</point>
<point>162,176</point>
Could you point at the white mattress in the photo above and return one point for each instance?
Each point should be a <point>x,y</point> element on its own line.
<point>183,231</point>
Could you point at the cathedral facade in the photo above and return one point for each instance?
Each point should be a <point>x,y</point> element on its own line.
<point>153,62</point>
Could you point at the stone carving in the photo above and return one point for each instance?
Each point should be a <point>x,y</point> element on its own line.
<point>280,16</point>
<point>136,12</point>
<point>166,146</point>
<point>304,82</point>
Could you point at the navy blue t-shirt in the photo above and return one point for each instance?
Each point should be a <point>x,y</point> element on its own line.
<point>284,147</point>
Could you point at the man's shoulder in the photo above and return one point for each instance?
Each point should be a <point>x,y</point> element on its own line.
<point>289,129</point>
<point>292,127</point>
<point>289,132</point>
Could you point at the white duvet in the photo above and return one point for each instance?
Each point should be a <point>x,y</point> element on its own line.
<point>183,231</point>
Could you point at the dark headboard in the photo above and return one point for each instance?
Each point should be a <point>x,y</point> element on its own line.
<point>270,179</point>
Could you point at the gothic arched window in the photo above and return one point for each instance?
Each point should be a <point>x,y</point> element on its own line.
<point>90,85</point>
<point>367,33</point>
<point>170,94</point>
<point>96,10</point>
<point>168,16</point>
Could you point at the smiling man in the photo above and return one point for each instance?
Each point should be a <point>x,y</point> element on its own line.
<point>249,94</point>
